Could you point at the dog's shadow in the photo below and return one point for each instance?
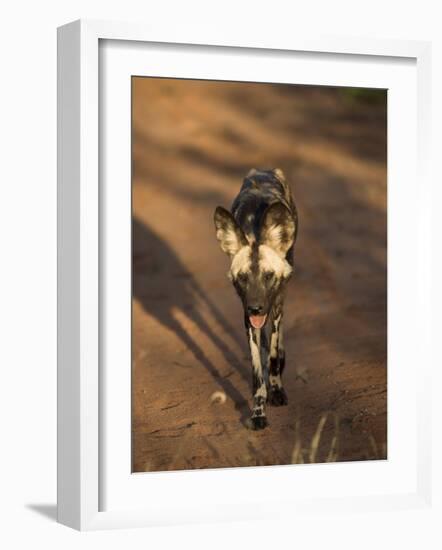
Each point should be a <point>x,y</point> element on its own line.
<point>163,286</point>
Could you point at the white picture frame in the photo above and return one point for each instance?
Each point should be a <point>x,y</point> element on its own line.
<point>80,271</point>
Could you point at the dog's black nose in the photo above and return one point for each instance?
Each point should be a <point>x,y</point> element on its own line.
<point>254,310</point>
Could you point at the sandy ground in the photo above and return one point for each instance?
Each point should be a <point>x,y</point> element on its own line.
<point>192,144</point>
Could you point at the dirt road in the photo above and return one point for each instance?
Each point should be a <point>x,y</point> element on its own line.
<point>192,144</point>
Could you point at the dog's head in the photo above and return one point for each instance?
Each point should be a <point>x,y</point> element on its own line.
<point>258,269</point>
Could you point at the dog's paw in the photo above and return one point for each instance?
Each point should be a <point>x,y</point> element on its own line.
<point>258,423</point>
<point>277,397</point>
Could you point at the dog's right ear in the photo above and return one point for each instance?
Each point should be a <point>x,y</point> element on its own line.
<point>278,228</point>
<point>228,233</point>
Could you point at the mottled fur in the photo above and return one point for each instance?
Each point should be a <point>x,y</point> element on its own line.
<point>258,235</point>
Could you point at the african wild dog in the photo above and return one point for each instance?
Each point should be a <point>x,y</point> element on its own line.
<point>259,235</point>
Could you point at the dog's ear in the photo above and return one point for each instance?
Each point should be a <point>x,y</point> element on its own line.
<point>278,228</point>
<point>228,233</point>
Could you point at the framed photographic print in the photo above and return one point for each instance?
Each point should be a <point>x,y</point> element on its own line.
<point>235,250</point>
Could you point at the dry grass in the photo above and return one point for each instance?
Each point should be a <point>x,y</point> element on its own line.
<point>309,454</point>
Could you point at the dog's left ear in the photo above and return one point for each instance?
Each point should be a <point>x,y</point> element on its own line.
<point>278,228</point>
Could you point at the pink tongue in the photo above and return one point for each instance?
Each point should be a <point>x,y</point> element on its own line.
<point>257,320</point>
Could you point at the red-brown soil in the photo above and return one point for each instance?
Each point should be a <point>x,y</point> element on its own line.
<point>193,142</point>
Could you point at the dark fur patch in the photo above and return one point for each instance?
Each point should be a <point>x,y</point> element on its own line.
<point>258,422</point>
<point>281,362</point>
<point>274,369</point>
<point>277,397</point>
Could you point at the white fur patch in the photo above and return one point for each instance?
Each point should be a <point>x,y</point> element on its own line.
<point>273,238</point>
<point>274,339</point>
<point>228,240</point>
<point>270,260</point>
<point>256,356</point>
<point>261,391</point>
<point>279,174</point>
<point>241,261</point>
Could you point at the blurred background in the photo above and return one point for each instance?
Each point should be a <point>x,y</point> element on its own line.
<point>192,143</point>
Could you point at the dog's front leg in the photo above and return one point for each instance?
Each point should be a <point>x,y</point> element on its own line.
<point>258,420</point>
<point>277,395</point>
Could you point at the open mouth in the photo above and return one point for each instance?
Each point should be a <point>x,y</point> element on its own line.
<point>257,321</point>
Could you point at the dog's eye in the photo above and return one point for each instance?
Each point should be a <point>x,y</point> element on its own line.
<point>268,276</point>
<point>242,277</point>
